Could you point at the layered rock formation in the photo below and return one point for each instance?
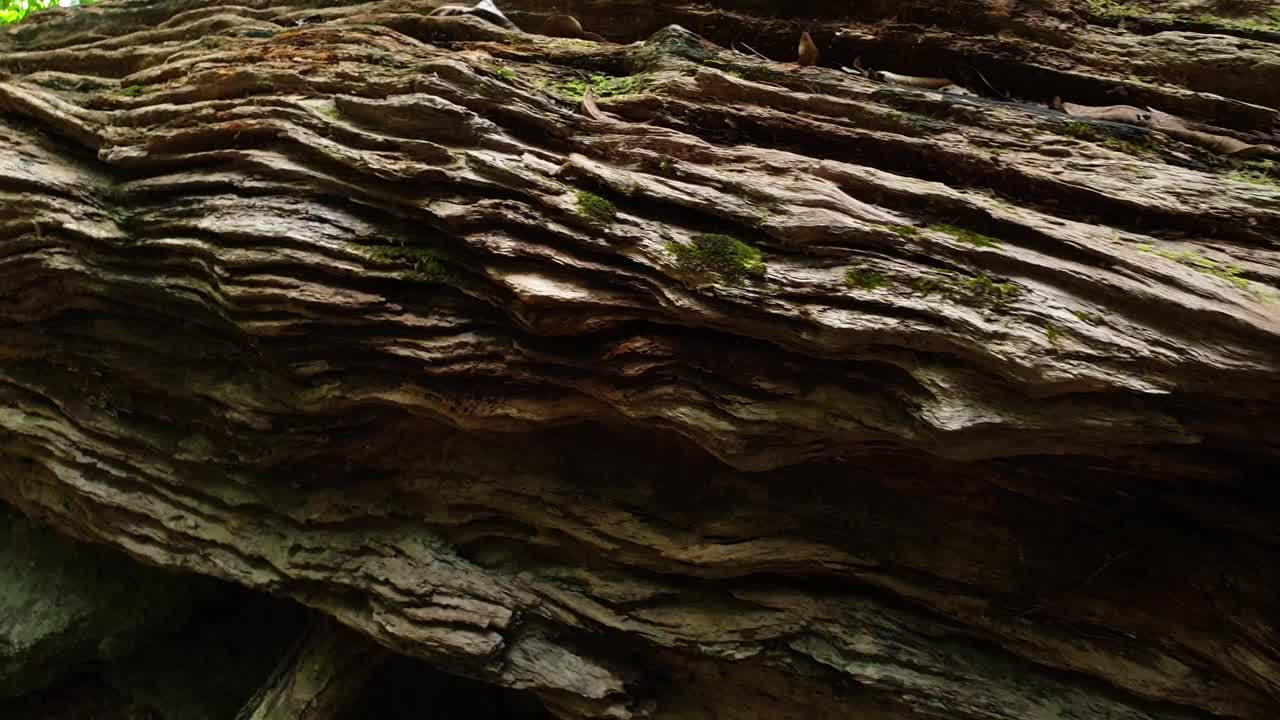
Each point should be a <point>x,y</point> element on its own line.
<point>761,391</point>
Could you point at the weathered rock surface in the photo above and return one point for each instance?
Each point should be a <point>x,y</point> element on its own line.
<point>777,392</point>
<point>63,604</point>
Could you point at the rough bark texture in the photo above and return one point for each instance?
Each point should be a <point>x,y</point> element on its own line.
<point>351,305</point>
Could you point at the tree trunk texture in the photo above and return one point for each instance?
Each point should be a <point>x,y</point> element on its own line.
<point>758,392</point>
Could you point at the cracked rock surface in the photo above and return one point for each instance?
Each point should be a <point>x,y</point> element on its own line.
<point>768,392</point>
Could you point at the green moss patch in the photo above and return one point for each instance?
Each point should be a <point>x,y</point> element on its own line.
<point>1053,333</point>
<point>1085,131</point>
<point>718,256</point>
<point>976,239</point>
<point>1200,263</point>
<point>596,207</point>
<point>420,264</point>
<point>601,85</point>
<point>132,91</point>
<point>1269,22</point>
<point>980,290</point>
<point>1257,172</point>
<point>903,231</point>
<point>1119,10</point>
<point>864,279</point>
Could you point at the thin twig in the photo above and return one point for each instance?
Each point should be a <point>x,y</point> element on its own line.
<point>753,52</point>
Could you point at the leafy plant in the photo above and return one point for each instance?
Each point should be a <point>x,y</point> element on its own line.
<point>11,11</point>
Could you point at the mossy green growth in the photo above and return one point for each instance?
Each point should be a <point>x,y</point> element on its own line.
<point>1087,317</point>
<point>1257,172</point>
<point>864,279</point>
<point>1116,10</point>
<point>506,73</point>
<point>1084,131</point>
<point>601,85</point>
<point>728,258</point>
<point>976,239</point>
<point>904,231</point>
<point>132,91</point>
<point>1052,332</point>
<point>978,291</point>
<point>1269,22</point>
<point>596,207</point>
<point>1200,263</point>
<point>986,290</point>
<point>423,265</point>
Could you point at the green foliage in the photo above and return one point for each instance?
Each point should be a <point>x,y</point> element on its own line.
<point>602,85</point>
<point>973,238</point>
<point>1200,263</point>
<point>11,11</point>
<point>132,91</point>
<point>864,279</point>
<point>505,73</point>
<point>728,258</point>
<point>596,207</point>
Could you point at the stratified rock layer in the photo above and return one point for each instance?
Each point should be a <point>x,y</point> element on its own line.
<point>767,392</point>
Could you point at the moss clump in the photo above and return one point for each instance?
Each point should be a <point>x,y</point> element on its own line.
<point>132,91</point>
<point>1084,131</point>
<point>1257,172</point>
<point>1054,334</point>
<point>596,207</point>
<point>1269,22</point>
<point>983,290</point>
<point>1129,147</point>
<point>722,256</point>
<point>980,290</point>
<point>973,238</point>
<point>1087,317</point>
<point>505,73</point>
<point>1254,178</point>
<point>1115,10</point>
<point>1200,263</point>
<point>421,265</point>
<point>864,279</point>
<point>601,85</point>
<point>904,231</point>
